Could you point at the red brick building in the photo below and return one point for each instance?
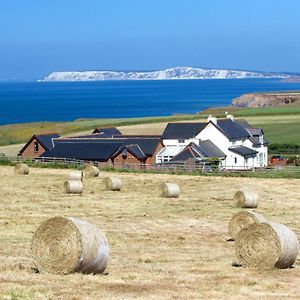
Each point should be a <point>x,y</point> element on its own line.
<point>37,145</point>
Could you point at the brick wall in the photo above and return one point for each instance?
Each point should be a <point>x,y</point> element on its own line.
<point>30,150</point>
<point>130,159</point>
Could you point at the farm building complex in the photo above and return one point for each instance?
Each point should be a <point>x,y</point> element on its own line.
<point>228,143</point>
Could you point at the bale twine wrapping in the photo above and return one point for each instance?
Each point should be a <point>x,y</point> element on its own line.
<point>91,171</point>
<point>73,187</point>
<point>246,199</point>
<point>63,245</point>
<point>21,169</point>
<point>75,175</point>
<point>170,190</point>
<point>243,219</point>
<point>267,245</point>
<point>112,183</point>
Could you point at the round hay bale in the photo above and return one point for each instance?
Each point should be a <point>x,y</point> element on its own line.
<point>170,190</point>
<point>243,219</point>
<point>73,187</point>
<point>21,169</point>
<point>91,171</point>
<point>75,175</point>
<point>267,245</point>
<point>246,199</point>
<point>63,245</point>
<point>112,183</point>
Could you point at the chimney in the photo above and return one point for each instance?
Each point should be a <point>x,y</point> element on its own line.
<point>210,118</point>
<point>231,117</point>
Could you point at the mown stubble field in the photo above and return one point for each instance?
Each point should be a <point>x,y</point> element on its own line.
<point>159,248</point>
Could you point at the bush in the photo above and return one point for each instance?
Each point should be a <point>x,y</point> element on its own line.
<point>284,148</point>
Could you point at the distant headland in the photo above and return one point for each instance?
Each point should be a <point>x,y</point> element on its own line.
<point>273,99</point>
<point>167,74</point>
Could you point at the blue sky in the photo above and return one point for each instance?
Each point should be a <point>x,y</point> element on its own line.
<point>39,37</point>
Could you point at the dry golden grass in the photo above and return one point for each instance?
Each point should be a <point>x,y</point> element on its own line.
<point>159,248</point>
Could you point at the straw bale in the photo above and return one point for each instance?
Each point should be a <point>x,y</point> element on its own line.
<point>73,187</point>
<point>91,171</point>
<point>75,175</point>
<point>267,245</point>
<point>21,169</point>
<point>243,219</point>
<point>112,183</point>
<point>170,190</point>
<point>63,245</point>
<point>246,198</point>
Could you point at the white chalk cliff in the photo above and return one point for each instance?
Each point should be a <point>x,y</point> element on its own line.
<point>168,74</point>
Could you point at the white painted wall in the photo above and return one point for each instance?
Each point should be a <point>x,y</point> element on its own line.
<point>210,132</point>
<point>232,161</point>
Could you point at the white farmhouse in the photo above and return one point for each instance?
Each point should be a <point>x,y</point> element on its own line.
<point>235,142</point>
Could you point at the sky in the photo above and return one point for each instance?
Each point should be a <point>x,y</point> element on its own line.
<point>39,37</point>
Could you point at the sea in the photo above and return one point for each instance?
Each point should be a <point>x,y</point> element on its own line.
<point>65,101</point>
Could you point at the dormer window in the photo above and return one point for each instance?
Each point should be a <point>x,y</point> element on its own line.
<point>181,141</point>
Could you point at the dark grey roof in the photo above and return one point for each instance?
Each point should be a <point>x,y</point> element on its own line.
<point>255,141</point>
<point>184,155</point>
<point>107,132</point>
<point>133,149</point>
<point>206,149</point>
<point>46,140</point>
<point>244,123</point>
<point>90,136</point>
<point>182,130</point>
<point>147,145</point>
<point>243,151</point>
<point>209,149</point>
<point>255,131</point>
<point>136,151</point>
<point>135,136</point>
<point>83,151</point>
<point>232,129</point>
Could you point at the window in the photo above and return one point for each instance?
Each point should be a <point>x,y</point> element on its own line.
<point>36,146</point>
<point>235,160</point>
<point>181,141</point>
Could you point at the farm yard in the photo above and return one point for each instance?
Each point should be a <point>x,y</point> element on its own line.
<point>160,248</point>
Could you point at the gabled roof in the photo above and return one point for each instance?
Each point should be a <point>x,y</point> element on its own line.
<point>135,150</point>
<point>107,132</point>
<point>205,149</point>
<point>243,151</point>
<point>232,129</point>
<point>255,131</point>
<point>44,139</point>
<point>182,130</point>
<point>184,155</point>
<point>83,151</point>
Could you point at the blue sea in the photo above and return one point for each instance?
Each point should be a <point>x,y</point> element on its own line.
<point>63,101</point>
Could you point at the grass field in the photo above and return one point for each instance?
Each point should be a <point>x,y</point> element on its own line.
<point>159,248</point>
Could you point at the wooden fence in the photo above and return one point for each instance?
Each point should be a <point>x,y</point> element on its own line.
<point>160,168</point>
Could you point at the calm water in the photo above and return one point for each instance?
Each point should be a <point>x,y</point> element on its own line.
<point>62,101</point>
